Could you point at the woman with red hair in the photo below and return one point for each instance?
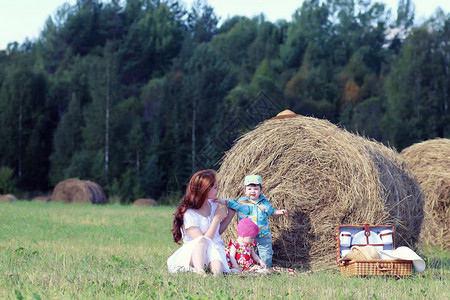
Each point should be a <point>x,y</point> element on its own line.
<point>199,222</point>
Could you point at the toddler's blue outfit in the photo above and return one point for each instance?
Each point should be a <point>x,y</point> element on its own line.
<point>259,213</point>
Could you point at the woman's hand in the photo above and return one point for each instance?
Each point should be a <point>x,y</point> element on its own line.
<point>221,213</point>
<point>226,221</point>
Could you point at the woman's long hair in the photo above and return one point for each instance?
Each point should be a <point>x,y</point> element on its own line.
<point>195,196</point>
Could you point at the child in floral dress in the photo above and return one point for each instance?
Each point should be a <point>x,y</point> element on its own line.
<point>241,254</point>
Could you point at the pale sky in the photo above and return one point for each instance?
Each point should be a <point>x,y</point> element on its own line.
<point>26,18</point>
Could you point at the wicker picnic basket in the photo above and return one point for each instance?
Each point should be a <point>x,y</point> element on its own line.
<point>379,236</point>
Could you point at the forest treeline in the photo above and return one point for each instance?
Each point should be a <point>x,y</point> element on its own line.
<point>136,95</point>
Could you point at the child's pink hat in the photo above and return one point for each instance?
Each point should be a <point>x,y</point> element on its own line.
<point>246,227</point>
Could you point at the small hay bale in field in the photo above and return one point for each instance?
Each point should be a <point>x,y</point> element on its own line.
<point>41,199</point>
<point>145,202</point>
<point>324,176</point>
<point>8,198</point>
<point>430,162</point>
<point>74,190</point>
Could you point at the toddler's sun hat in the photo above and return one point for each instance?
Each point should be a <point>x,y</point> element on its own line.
<point>246,227</point>
<point>252,179</point>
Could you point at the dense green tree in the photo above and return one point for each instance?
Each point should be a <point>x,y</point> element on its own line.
<point>82,29</point>
<point>138,94</point>
<point>7,184</point>
<point>66,141</point>
<point>360,24</point>
<point>202,22</point>
<point>310,25</point>
<point>51,47</point>
<point>264,80</point>
<point>111,23</point>
<point>233,44</point>
<point>309,91</point>
<point>150,45</point>
<point>206,85</point>
<point>417,88</point>
<point>127,148</point>
<point>405,14</point>
<point>104,91</point>
<point>152,177</point>
<point>364,117</point>
<point>87,164</point>
<point>132,11</point>
<point>25,126</point>
<point>265,46</point>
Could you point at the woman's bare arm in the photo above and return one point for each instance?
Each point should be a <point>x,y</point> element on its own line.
<point>194,231</point>
<point>225,222</point>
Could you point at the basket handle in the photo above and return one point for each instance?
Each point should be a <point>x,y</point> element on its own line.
<point>387,268</point>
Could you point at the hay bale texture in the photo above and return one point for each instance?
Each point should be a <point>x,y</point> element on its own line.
<point>430,162</point>
<point>74,190</point>
<point>324,176</point>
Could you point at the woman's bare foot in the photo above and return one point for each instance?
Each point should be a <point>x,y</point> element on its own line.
<point>200,272</point>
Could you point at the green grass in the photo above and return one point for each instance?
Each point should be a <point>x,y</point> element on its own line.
<point>60,251</point>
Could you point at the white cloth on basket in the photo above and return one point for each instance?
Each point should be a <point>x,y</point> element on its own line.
<point>180,260</point>
<point>406,254</point>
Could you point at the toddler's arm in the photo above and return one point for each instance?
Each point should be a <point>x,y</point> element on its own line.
<point>220,201</point>
<point>233,258</point>
<point>258,259</point>
<point>280,212</point>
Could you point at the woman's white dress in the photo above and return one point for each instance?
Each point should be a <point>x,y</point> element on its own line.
<point>179,261</point>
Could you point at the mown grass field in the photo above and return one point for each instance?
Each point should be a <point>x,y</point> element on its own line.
<point>60,251</point>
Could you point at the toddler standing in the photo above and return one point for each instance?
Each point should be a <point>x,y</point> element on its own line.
<point>258,209</point>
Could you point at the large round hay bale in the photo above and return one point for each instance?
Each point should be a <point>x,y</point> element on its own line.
<point>145,202</point>
<point>74,190</point>
<point>8,198</point>
<point>430,162</point>
<point>324,176</point>
<point>71,190</point>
